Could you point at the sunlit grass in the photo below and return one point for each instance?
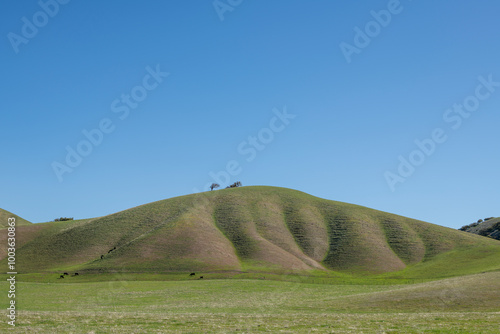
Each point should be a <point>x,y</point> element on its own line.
<point>459,305</point>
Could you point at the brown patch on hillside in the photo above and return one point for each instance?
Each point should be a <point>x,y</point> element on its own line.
<point>24,234</point>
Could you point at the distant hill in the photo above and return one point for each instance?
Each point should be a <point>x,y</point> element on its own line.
<point>4,219</point>
<point>489,227</point>
<point>5,215</point>
<point>254,229</point>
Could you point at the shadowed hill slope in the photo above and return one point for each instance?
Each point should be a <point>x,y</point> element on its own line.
<point>490,227</point>
<point>255,228</point>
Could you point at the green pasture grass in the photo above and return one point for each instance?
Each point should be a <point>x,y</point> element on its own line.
<point>468,304</point>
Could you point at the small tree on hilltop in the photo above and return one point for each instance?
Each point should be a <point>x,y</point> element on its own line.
<point>213,186</point>
<point>62,219</point>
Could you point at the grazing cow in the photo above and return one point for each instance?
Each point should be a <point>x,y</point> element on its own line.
<point>192,274</point>
<point>102,257</point>
<point>110,251</point>
<point>62,276</point>
<point>76,274</point>
<point>65,274</point>
<point>201,277</point>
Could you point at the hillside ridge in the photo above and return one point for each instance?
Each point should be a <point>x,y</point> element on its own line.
<point>5,215</point>
<point>254,228</point>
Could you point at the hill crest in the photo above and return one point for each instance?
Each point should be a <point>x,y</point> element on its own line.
<point>5,215</point>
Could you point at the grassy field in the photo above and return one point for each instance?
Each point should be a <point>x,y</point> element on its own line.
<point>469,304</point>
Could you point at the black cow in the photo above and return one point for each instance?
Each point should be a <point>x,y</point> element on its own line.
<point>62,276</point>
<point>192,274</point>
<point>201,277</point>
<point>65,274</point>
<point>76,274</point>
<point>102,257</point>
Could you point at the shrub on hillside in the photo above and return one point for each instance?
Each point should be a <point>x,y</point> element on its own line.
<point>467,227</point>
<point>63,219</point>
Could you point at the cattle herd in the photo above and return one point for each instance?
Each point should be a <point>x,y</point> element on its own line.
<point>112,249</point>
<point>102,257</point>
<point>76,274</point>
<point>194,274</point>
<point>66,274</point>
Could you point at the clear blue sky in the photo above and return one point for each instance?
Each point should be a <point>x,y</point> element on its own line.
<point>88,64</point>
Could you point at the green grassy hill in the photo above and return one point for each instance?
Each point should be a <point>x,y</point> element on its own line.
<point>5,215</point>
<point>4,219</point>
<point>255,229</point>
